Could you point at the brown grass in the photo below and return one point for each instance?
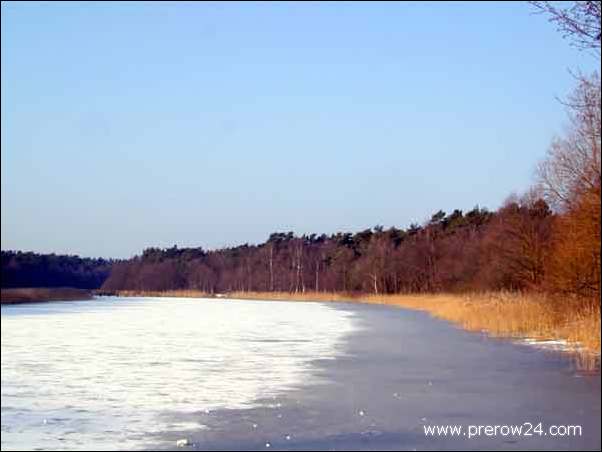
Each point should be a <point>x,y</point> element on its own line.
<point>299,296</point>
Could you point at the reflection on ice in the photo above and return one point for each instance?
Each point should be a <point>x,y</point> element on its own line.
<point>556,344</point>
<point>103,374</point>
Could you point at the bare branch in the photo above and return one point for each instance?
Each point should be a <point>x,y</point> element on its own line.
<point>580,22</point>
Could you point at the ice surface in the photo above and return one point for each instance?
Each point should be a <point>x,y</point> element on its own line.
<point>103,374</point>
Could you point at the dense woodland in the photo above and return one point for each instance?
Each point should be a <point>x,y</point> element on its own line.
<point>479,250</point>
<point>453,251</point>
<point>27,269</point>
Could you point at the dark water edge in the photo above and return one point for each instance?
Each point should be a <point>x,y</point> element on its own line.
<point>43,294</point>
<point>401,371</point>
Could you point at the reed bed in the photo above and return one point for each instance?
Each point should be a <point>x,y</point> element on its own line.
<point>296,296</point>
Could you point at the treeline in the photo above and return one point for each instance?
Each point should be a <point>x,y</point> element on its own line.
<point>477,250</point>
<point>377,260</point>
<point>27,269</point>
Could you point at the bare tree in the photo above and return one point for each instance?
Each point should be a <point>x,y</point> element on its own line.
<point>572,166</point>
<point>571,179</point>
<point>270,248</point>
<point>579,22</point>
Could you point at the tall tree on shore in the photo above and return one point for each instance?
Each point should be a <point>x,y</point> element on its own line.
<point>571,179</point>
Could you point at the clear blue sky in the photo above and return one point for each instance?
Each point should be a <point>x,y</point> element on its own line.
<point>133,125</point>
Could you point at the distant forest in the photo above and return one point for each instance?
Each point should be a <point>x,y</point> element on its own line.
<point>473,251</point>
<point>27,269</point>
<point>451,252</point>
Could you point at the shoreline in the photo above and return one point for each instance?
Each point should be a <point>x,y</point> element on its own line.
<point>573,323</point>
<point>12,296</point>
<point>386,373</point>
<point>398,371</point>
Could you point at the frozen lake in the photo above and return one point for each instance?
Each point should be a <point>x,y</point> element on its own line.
<point>143,373</point>
<point>102,374</point>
